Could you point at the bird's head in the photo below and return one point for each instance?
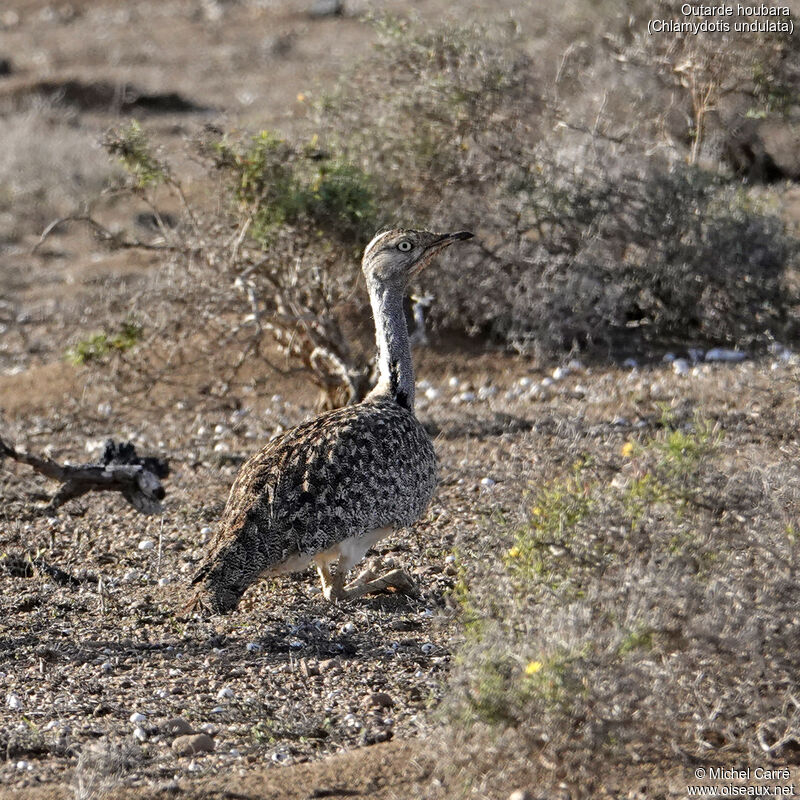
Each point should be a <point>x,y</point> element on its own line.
<point>398,255</point>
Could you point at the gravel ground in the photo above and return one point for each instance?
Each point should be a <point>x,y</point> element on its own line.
<point>102,672</point>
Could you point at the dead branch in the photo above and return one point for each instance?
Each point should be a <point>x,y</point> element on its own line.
<point>114,240</point>
<point>121,470</point>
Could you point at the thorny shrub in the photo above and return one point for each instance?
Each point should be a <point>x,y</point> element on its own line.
<point>584,239</point>
<point>635,609</point>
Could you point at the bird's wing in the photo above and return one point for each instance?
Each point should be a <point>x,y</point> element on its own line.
<point>347,471</point>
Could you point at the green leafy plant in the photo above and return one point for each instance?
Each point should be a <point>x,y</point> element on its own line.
<point>100,345</point>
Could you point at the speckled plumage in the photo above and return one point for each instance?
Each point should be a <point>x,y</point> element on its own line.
<point>332,486</point>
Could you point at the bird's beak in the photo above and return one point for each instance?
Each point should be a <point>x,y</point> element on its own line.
<point>436,246</point>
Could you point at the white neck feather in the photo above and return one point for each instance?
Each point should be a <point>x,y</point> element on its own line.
<point>396,372</point>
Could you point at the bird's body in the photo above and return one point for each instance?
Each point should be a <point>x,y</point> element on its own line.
<point>331,487</point>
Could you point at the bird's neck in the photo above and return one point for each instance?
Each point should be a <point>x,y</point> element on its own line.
<point>395,370</point>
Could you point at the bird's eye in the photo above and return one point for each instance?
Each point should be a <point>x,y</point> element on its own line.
<point>404,246</point>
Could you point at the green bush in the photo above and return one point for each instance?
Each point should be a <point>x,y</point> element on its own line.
<point>280,184</point>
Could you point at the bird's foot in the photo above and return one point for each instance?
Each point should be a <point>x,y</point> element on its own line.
<point>397,579</point>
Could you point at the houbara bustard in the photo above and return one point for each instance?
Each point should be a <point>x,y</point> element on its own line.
<point>329,489</point>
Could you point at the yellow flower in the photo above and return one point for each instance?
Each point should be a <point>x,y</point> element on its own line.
<point>300,97</point>
<point>533,667</point>
<point>627,449</point>
<point>513,552</point>
<point>536,511</point>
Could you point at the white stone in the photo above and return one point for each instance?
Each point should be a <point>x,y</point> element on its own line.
<point>467,397</point>
<point>454,382</point>
<point>348,628</point>
<point>525,382</point>
<point>140,734</point>
<point>13,701</point>
<point>427,648</point>
<point>559,373</point>
<point>146,544</point>
<point>488,482</point>
<point>680,366</point>
<point>547,382</point>
<point>224,693</point>
<point>136,718</point>
<point>432,393</point>
<point>668,358</point>
<point>724,354</point>
<point>252,647</point>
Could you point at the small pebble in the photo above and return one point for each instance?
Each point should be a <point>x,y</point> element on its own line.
<point>525,382</point>
<point>454,382</point>
<point>130,576</point>
<point>630,363</point>
<point>547,382</point>
<point>723,354</point>
<point>559,373</point>
<point>380,700</point>
<point>177,726</point>
<point>13,701</point>
<point>451,559</point>
<point>520,794</point>
<point>431,393</point>
<point>680,366</point>
<point>488,482</point>
<point>348,628</point>
<point>136,718</point>
<point>252,647</point>
<point>668,358</point>
<point>427,648</point>
<point>191,744</point>
<point>146,544</point>
<point>22,765</point>
<point>140,734</point>
<point>224,693</point>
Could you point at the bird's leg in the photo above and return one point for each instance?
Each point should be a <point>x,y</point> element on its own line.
<point>331,584</point>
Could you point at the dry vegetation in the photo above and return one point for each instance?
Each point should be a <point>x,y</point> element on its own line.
<point>608,570</point>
